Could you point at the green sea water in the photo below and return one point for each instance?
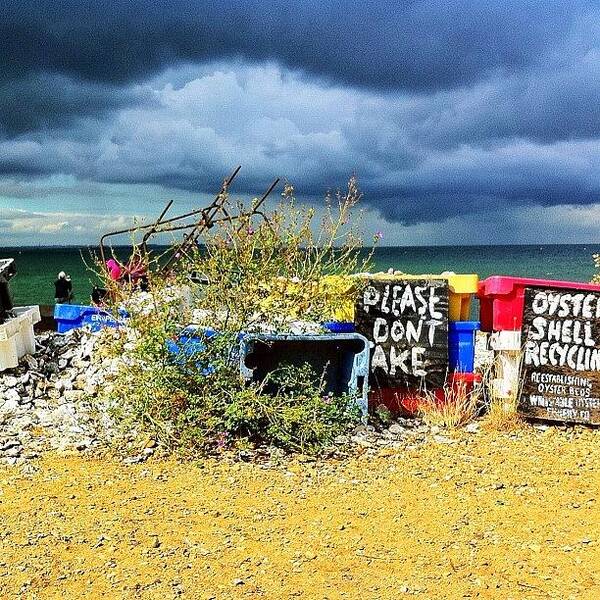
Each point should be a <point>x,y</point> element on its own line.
<point>37,267</point>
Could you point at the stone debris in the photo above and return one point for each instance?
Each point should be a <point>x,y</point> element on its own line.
<point>46,403</point>
<point>372,440</point>
<point>472,427</point>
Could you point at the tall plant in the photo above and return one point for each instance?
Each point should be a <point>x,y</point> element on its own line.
<point>260,272</point>
<point>286,267</point>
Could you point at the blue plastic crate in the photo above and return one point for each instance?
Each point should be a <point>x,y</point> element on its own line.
<point>191,340</point>
<point>73,316</point>
<point>189,344</point>
<point>461,345</point>
<point>342,359</point>
<point>340,326</point>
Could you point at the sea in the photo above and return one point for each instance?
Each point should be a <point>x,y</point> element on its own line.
<point>37,268</point>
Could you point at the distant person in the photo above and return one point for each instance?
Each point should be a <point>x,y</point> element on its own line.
<point>115,271</point>
<point>99,295</point>
<point>63,289</point>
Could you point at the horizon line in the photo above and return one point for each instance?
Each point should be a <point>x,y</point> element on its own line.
<point>380,247</point>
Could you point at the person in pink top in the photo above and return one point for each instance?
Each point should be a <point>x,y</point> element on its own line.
<point>115,270</point>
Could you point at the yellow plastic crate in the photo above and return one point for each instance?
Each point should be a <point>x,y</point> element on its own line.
<point>462,287</point>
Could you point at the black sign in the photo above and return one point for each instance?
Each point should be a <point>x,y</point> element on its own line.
<point>561,360</point>
<point>406,322</point>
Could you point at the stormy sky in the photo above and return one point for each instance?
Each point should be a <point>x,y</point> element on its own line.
<point>465,121</point>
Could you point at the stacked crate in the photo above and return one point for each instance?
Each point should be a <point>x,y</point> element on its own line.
<point>16,323</point>
<point>501,301</point>
<point>461,376</point>
<point>16,336</point>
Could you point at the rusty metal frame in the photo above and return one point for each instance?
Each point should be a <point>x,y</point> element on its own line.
<point>154,228</point>
<point>209,221</point>
<point>209,216</point>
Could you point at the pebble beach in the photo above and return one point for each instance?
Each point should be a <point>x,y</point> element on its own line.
<point>466,515</point>
<point>405,510</point>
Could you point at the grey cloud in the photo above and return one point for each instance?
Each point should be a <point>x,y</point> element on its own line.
<point>419,157</point>
<point>544,106</point>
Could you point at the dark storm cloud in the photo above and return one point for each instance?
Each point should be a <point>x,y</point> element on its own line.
<point>442,108</point>
<point>543,105</point>
<point>410,45</point>
<point>49,100</point>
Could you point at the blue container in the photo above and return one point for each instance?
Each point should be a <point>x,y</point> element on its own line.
<point>461,345</point>
<point>342,359</point>
<point>191,342</point>
<point>73,316</point>
<point>340,326</point>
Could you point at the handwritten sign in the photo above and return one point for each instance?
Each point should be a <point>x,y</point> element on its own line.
<point>561,362</point>
<point>406,322</point>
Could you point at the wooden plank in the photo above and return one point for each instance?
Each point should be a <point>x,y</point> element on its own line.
<point>561,361</point>
<point>406,323</point>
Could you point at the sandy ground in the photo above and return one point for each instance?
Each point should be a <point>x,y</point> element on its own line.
<point>486,516</point>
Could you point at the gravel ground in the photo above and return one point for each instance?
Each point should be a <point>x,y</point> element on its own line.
<point>467,515</point>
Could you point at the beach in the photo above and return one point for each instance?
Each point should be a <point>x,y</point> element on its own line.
<point>471,515</point>
<point>299,300</point>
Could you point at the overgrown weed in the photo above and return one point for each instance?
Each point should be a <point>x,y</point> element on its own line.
<point>457,404</point>
<point>261,275</point>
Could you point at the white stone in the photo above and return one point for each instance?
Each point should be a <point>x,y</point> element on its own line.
<point>10,381</point>
<point>11,395</point>
<point>396,429</point>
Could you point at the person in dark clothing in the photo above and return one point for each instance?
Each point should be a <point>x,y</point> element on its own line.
<point>63,289</point>
<point>99,295</point>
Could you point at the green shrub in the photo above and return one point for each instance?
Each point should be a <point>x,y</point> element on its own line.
<point>596,277</point>
<point>202,402</point>
<point>261,274</point>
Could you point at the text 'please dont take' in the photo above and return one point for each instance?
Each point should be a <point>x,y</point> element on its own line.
<point>406,321</point>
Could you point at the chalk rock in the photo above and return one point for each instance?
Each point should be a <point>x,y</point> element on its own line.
<point>472,427</point>
<point>31,362</point>
<point>9,381</point>
<point>11,399</point>
<point>396,429</point>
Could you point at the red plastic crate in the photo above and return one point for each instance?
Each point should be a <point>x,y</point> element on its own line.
<point>501,299</point>
<point>406,401</point>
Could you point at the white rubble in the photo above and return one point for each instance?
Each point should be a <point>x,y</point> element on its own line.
<point>48,401</point>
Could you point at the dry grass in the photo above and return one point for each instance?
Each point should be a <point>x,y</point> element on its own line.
<point>502,415</point>
<point>458,406</point>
